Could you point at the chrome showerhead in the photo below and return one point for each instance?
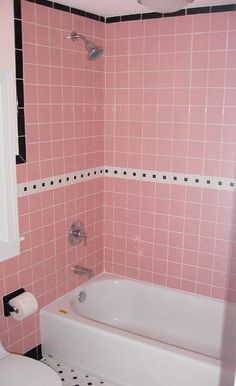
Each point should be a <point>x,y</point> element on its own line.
<point>94,52</point>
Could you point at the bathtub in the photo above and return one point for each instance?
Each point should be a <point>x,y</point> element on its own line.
<point>136,334</point>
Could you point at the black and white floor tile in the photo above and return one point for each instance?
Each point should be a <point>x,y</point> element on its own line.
<point>71,376</point>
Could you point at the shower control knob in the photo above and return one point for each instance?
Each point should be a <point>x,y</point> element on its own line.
<point>77,234</point>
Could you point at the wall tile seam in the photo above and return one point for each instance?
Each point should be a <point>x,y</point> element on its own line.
<point>163,177</point>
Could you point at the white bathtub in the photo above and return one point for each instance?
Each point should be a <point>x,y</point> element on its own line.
<point>136,334</point>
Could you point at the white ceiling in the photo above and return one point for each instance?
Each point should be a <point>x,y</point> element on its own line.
<point>125,7</point>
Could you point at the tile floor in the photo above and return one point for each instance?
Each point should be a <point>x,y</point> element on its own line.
<point>72,376</point>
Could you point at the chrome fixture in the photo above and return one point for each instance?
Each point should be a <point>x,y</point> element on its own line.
<point>83,271</point>
<point>94,52</point>
<point>165,6</point>
<point>77,234</point>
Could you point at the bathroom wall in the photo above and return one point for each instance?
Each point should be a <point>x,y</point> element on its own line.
<point>64,131</point>
<point>167,110</point>
<point>170,115</point>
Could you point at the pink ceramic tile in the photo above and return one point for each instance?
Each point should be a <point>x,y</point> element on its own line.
<point>165,108</point>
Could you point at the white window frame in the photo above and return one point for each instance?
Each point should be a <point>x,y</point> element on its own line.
<point>9,229</point>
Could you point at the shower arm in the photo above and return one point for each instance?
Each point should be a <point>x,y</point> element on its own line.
<point>74,36</point>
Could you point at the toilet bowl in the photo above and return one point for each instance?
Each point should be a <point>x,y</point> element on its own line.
<point>17,370</point>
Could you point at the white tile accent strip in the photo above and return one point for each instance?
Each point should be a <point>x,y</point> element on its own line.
<point>37,186</point>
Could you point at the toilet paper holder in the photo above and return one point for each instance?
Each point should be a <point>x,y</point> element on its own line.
<point>6,305</point>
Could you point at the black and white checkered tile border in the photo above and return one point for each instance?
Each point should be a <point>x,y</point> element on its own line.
<point>25,189</point>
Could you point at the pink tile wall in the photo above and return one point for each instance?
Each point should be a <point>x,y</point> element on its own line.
<point>64,130</point>
<point>170,105</point>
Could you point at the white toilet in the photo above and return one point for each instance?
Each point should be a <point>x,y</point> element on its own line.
<point>17,370</point>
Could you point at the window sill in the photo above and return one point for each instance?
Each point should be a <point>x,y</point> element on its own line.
<point>9,249</point>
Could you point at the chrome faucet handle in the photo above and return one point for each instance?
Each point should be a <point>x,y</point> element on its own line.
<point>77,234</point>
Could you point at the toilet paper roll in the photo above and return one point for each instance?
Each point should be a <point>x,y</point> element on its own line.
<point>25,303</point>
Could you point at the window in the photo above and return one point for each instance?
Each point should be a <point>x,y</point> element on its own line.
<point>9,231</point>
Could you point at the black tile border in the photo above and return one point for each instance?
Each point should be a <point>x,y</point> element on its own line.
<point>136,16</point>
<point>21,157</point>
<point>182,12</point>
<point>35,353</point>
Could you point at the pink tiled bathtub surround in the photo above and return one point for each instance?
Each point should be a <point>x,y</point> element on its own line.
<point>170,106</point>
<point>162,98</point>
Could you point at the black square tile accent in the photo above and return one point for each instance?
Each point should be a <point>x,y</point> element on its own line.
<point>88,174</point>
<point>113,19</point>
<point>106,171</point>
<point>182,12</point>
<point>45,3</point>
<point>78,12</point>
<point>136,16</point>
<point>21,122</point>
<point>196,180</point>
<point>75,177</point>
<point>175,178</point>
<point>144,174</point>
<point>94,172</point>
<point>89,383</point>
<point>124,172</point>
<point>75,377</point>
<point>198,10</point>
<point>59,181</point>
<point>19,64</point>
<point>101,171</point>
<point>18,34</point>
<point>154,176</point>
<point>34,186</point>
<point>115,172</point>
<point>220,183</point>
<point>231,184</point>
<point>51,182</point>
<point>61,7</point>
<point>134,174</point>
<point>92,16</point>
<point>164,177</point>
<point>81,175</point>
<point>43,184</point>
<point>35,353</point>
<point>67,178</point>
<point>17,9</point>
<point>208,181</point>
<point>223,8</point>
<point>21,157</point>
<point>20,92</point>
<point>151,15</point>
<point>185,179</point>
<point>25,189</point>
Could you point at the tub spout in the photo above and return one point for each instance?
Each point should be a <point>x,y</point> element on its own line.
<point>83,271</point>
